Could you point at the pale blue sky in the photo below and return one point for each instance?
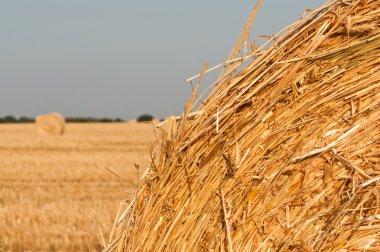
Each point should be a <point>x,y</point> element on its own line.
<point>119,58</point>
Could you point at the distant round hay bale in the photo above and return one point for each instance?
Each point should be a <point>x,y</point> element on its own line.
<point>52,124</point>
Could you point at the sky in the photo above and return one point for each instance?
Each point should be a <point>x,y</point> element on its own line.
<point>120,58</point>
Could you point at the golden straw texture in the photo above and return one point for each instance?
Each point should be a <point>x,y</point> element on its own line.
<point>283,155</point>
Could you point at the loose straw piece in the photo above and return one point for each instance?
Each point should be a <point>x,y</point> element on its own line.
<point>329,146</point>
<point>225,219</point>
<point>217,120</point>
<point>368,182</point>
<point>242,59</point>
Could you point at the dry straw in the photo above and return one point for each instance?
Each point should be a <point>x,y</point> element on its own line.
<point>52,124</point>
<point>283,155</point>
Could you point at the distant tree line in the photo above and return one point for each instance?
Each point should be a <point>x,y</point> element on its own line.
<point>145,118</point>
<point>24,119</point>
<point>92,119</point>
<point>12,119</point>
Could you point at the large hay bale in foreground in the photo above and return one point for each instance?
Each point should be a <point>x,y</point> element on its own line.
<point>284,155</point>
<point>52,124</point>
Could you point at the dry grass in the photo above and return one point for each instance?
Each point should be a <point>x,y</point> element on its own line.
<point>282,155</point>
<point>55,192</point>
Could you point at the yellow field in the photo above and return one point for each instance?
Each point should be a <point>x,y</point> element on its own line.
<point>56,193</point>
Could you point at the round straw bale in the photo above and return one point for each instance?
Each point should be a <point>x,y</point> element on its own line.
<point>52,124</point>
<point>283,155</point>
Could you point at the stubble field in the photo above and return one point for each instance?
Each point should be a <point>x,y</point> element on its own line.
<point>57,193</point>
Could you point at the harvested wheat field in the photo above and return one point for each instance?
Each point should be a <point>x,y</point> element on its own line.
<point>283,155</point>
<point>56,193</point>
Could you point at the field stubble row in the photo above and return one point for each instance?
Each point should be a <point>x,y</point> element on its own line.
<point>56,193</point>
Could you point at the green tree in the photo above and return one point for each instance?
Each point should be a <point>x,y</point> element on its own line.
<point>9,119</point>
<point>24,119</point>
<point>145,118</point>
